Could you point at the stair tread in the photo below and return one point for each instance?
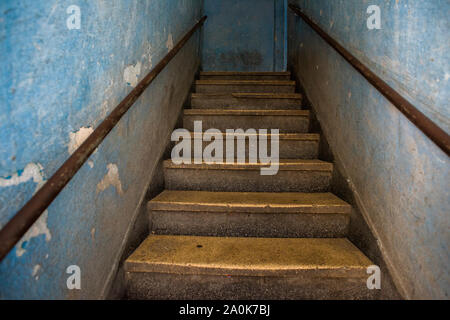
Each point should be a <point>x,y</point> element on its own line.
<point>247,256</point>
<point>225,112</point>
<point>284,164</point>
<point>262,95</point>
<point>256,95</point>
<point>281,136</point>
<point>261,202</point>
<point>244,73</point>
<point>247,82</point>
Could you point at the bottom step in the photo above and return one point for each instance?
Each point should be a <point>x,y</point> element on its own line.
<point>185,267</point>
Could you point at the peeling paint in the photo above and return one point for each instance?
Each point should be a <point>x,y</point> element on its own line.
<point>111,179</point>
<point>148,58</point>
<point>108,93</point>
<point>36,270</point>
<point>33,171</point>
<point>39,228</point>
<point>77,138</point>
<point>105,108</point>
<point>169,43</point>
<point>131,74</point>
<point>37,118</point>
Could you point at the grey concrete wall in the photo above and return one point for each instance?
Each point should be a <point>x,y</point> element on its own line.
<point>400,179</point>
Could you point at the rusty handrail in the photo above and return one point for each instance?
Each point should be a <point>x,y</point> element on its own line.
<point>14,230</point>
<point>425,124</point>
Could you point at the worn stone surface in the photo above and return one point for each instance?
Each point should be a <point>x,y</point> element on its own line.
<point>285,244</point>
<point>283,164</point>
<point>286,121</point>
<point>293,176</point>
<point>240,268</point>
<point>230,75</point>
<point>284,215</point>
<point>251,224</point>
<point>232,86</point>
<point>246,256</point>
<point>291,146</point>
<point>161,286</point>
<point>262,113</point>
<point>260,202</point>
<point>250,101</point>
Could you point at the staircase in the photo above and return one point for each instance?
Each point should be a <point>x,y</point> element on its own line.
<point>225,231</point>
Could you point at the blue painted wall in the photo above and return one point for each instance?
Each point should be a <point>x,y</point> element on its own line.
<point>56,85</point>
<point>400,178</point>
<point>244,35</point>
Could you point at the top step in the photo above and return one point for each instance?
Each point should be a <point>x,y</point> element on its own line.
<point>245,75</point>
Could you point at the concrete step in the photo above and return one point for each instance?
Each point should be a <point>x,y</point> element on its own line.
<point>293,176</point>
<point>233,86</point>
<point>287,121</point>
<point>291,145</point>
<point>241,214</point>
<point>230,75</point>
<point>243,100</point>
<point>198,268</point>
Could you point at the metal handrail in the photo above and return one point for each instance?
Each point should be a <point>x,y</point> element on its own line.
<point>420,120</point>
<point>14,230</point>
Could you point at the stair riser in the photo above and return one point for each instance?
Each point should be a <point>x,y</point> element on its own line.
<point>245,77</point>
<point>288,149</point>
<point>246,180</point>
<point>286,124</point>
<point>211,88</point>
<point>229,102</point>
<point>269,225</point>
<point>318,285</point>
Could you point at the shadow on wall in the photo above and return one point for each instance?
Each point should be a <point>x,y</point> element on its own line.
<point>244,35</point>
